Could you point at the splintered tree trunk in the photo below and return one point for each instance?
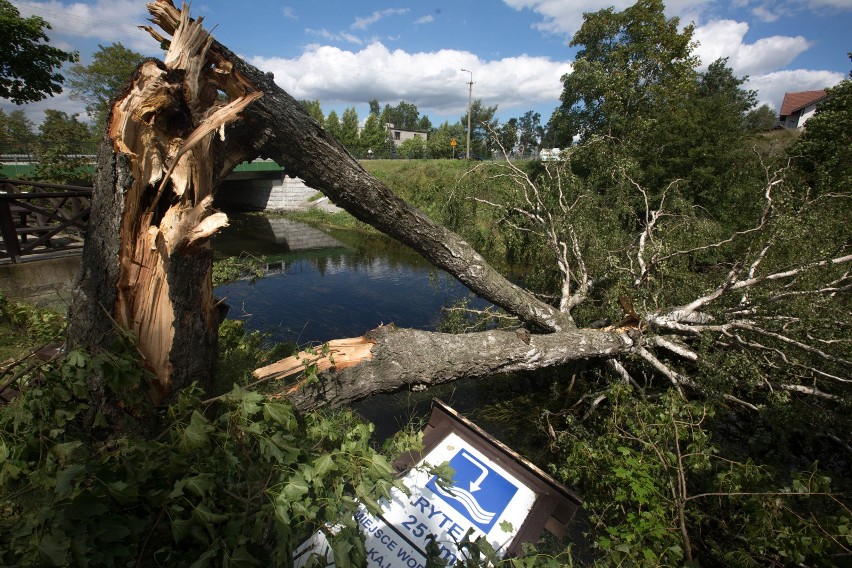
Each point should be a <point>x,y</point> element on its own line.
<point>179,129</point>
<point>147,260</point>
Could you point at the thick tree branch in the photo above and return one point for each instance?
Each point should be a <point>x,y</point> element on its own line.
<point>402,358</point>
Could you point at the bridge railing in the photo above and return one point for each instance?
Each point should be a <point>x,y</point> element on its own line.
<point>41,218</point>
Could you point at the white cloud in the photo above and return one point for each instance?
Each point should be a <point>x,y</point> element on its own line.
<point>105,21</point>
<point>289,13</point>
<point>725,38</point>
<point>561,17</point>
<point>61,102</point>
<point>771,87</point>
<point>331,36</point>
<point>362,23</point>
<point>771,10</point>
<point>425,20</point>
<point>433,81</point>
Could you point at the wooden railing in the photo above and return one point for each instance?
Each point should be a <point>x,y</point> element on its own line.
<point>41,218</point>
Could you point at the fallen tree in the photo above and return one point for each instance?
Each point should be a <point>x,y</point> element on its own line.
<point>183,124</point>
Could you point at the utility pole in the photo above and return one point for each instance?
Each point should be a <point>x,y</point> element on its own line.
<point>469,101</point>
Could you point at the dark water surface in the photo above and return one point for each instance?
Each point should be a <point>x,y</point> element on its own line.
<point>324,285</point>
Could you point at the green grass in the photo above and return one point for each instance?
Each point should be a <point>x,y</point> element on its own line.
<point>318,217</point>
<point>405,173</point>
<point>24,327</point>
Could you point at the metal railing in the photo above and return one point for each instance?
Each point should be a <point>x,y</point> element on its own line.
<point>41,218</point>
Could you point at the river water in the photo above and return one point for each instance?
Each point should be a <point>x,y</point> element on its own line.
<point>330,284</point>
<point>323,285</point>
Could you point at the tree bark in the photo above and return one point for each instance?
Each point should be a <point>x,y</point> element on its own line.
<point>400,358</point>
<point>147,260</point>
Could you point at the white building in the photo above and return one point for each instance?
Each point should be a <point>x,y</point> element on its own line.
<point>797,108</point>
<point>398,136</point>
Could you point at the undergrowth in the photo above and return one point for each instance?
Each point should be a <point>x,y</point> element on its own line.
<point>236,482</point>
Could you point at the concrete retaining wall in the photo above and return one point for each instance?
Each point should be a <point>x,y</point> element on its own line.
<point>41,282</point>
<point>267,192</point>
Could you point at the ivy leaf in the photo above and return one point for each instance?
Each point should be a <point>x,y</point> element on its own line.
<point>53,549</point>
<point>295,488</point>
<point>278,413</point>
<point>66,477</point>
<point>76,358</point>
<point>200,484</point>
<point>65,450</point>
<point>382,465</point>
<point>196,435</point>
<point>207,517</point>
<point>323,465</point>
<point>506,526</point>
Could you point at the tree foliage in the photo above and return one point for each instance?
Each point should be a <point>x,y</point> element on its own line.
<point>403,116</point>
<point>482,123</point>
<point>761,119</point>
<point>374,139</point>
<point>238,480</point>
<point>17,133</point>
<point>314,109</point>
<point>332,124</point>
<point>629,64</point>
<point>708,422</point>
<point>349,129</point>
<point>823,152</point>
<point>412,148</point>
<point>63,148</point>
<point>29,67</point>
<point>97,83</point>
<point>530,132</point>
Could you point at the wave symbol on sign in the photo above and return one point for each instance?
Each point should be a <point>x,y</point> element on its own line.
<point>466,498</point>
<point>469,502</point>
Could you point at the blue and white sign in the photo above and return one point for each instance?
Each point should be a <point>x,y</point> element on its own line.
<point>481,500</point>
<point>478,492</point>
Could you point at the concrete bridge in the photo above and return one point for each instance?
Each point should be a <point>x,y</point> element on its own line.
<point>263,186</point>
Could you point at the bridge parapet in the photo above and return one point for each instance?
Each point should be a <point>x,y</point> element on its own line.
<point>259,191</point>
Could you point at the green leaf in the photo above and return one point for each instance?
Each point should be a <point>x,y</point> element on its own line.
<point>506,526</point>
<point>181,528</point>
<point>341,550</point>
<point>279,413</point>
<point>323,465</point>
<point>66,478</point>
<point>382,464</point>
<point>53,549</point>
<point>295,488</point>
<point>203,513</point>
<point>197,434</point>
<point>200,484</point>
<point>77,358</point>
<point>65,450</point>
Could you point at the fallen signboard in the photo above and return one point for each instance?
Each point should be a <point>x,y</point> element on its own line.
<point>494,494</point>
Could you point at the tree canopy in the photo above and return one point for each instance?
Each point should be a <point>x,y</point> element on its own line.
<point>97,83</point>
<point>29,67</point>
<point>629,63</point>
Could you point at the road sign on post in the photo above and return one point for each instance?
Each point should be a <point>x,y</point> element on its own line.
<point>494,494</point>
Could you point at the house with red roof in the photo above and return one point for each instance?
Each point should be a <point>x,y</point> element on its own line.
<point>797,108</point>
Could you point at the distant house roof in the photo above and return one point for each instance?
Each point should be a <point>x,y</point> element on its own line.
<point>797,101</point>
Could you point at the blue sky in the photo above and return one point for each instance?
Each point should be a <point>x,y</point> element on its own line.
<point>345,53</point>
